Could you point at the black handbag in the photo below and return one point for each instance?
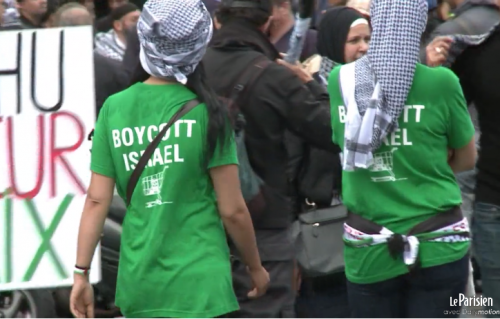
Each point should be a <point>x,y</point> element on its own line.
<point>318,237</point>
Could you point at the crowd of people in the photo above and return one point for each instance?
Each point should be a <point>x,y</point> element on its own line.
<point>391,114</point>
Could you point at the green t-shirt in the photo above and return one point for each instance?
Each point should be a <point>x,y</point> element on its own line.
<point>174,258</point>
<point>410,180</point>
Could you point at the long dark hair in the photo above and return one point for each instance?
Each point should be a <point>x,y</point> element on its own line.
<point>219,127</point>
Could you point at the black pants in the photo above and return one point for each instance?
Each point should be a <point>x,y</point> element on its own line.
<point>279,300</point>
<point>323,297</point>
<point>424,294</point>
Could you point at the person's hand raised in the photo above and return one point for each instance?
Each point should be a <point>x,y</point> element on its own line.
<point>437,51</point>
<point>298,69</point>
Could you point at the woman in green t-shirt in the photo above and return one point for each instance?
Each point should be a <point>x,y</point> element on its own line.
<point>174,258</point>
<point>406,239</point>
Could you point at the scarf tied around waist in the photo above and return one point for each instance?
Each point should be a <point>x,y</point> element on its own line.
<point>408,245</point>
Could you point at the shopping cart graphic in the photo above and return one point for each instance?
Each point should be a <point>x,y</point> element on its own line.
<point>383,162</point>
<point>151,186</point>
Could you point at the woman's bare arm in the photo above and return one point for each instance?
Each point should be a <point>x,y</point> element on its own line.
<point>99,197</point>
<point>463,159</point>
<point>234,213</point>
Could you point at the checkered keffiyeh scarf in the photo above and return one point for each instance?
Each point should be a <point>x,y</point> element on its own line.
<point>326,68</point>
<point>383,77</point>
<point>106,44</point>
<point>11,15</point>
<point>174,35</point>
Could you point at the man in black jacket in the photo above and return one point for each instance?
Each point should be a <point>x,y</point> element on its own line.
<point>478,68</point>
<point>283,98</point>
<point>471,17</point>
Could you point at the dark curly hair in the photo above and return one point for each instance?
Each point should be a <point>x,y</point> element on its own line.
<point>256,16</point>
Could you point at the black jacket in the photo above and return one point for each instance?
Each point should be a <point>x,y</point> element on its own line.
<point>478,68</point>
<point>110,78</point>
<point>131,56</point>
<point>278,102</point>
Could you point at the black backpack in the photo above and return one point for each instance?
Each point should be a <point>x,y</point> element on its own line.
<point>251,183</point>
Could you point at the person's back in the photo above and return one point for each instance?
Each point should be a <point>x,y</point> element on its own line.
<point>264,129</point>
<point>403,136</point>
<point>410,179</point>
<point>163,223</point>
<point>268,109</point>
<point>264,140</point>
<point>183,196</point>
<point>277,101</point>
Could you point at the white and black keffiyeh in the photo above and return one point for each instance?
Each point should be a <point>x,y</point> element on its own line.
<point>174,35</point>
<point>383,77</point>
<point>326,68</point>
<point>108,45</point>
<point>11,15</point>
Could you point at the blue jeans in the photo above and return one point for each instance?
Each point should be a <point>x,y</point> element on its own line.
<point>486,244</point>
<point>423,294</point>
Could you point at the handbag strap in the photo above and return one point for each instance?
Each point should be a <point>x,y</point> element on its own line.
<point>139,168</point>
<point>246,80</point>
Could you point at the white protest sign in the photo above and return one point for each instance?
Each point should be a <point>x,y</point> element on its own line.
<point>47,109</point>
